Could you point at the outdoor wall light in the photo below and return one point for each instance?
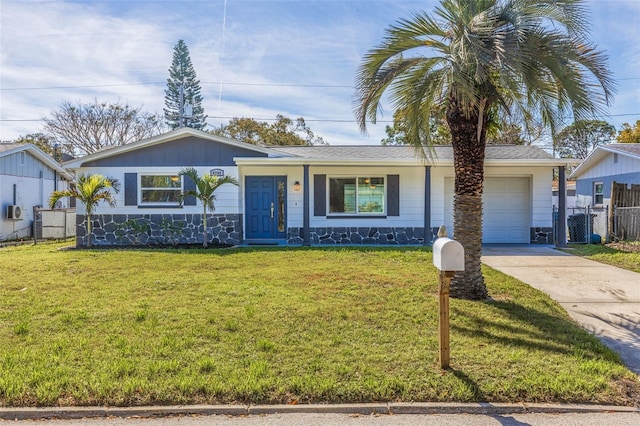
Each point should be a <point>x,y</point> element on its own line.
<point>297,186</point>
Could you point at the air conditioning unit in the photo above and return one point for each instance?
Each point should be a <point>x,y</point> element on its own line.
<point>15,212</point>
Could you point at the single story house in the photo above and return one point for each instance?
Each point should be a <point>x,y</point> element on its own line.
<point>616,162</point>
<point>28,176</point>
<point>608,189</point>
<point>312,195</point>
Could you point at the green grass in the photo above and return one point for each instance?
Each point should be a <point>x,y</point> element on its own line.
<point>132,327</point>
<point>623,258</point>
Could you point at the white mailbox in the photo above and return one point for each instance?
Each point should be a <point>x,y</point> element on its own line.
<point>448,255</point>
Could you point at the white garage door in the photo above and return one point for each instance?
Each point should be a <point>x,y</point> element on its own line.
<point>506,205</point>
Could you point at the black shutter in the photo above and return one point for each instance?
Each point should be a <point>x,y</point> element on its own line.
<point>130,189</point>
<point>319,195</point>
<point>393,195</point>
<point>189,185</point>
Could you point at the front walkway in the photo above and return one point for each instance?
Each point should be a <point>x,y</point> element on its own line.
<point>604,299</point>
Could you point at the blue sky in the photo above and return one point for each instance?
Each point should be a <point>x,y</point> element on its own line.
<point>254,58</point>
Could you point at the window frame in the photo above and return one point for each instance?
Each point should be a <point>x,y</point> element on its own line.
<point>356,213</point>
<point>142,188</point>
<point>597,193</point>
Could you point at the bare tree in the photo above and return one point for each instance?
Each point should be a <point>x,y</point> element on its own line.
<point>86,128</point>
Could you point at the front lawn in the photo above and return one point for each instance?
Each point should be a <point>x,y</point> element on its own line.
<point>622,255</point>
<point>132,327</point>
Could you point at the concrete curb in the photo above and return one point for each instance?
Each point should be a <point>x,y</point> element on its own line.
<point>22,413</point>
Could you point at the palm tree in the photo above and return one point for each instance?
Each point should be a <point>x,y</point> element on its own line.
<point>90,190</point>
<point>205,192</point>
<point>476,60</point>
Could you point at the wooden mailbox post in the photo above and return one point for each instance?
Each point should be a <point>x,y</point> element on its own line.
<point>448,257</point>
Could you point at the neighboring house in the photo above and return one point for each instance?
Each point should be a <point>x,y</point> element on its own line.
<point>313,194</point>
<point>571,194</point>
<point>618,162</point>
<point>595,177</point>
<point>28,176</point>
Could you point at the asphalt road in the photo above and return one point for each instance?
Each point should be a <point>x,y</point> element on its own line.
<point>312,419</point>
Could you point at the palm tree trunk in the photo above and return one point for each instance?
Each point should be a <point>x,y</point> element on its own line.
<point>88,219</point>
<point>468,158</point>
<point>204,223</point>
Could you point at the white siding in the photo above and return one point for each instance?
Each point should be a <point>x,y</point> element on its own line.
<point>412,178</point>
<point>227,196</point>
<point>34,182</point>
<point>30,192</point>
<point>411,196</point>
<point>539,197</point>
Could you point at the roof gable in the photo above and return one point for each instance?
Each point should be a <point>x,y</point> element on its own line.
<point>182,147</point>
<point>601,152</point>
<point>7,149</point>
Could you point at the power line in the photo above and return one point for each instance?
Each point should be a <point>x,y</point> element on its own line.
<point>309,120</point>
<point>228,83</point>
<point>98,86</point>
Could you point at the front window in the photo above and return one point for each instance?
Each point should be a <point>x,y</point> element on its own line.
<point>356,195</point>
<point>598,193</point>
<point>160,189</point>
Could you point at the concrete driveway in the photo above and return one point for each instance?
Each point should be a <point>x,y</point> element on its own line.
<point>604,299</point>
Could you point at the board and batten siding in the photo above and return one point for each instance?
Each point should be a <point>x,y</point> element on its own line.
<point>11,165</point>
<point>607,167</point>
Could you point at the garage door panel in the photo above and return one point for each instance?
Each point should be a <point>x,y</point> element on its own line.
<point>506,209</point>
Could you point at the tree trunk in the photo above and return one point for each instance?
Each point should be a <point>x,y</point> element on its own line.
<point>468,158</point>
<point>88,216</point>
<point>204,223</point>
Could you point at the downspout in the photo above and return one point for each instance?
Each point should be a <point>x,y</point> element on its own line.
<point>41,188</point>
<point>562,208</point>
<point>428,235</point>
<point>305,206</point>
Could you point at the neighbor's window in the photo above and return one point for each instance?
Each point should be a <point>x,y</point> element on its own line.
<point>356,195</point>
<point>598,193</point>
<point>157,189</point>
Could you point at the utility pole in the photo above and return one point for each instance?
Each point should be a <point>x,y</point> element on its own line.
<point>186,109</point>
<point>181,109</point>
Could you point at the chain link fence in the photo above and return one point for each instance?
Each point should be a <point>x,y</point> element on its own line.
<point>54,224</point>
<point>585,225</point>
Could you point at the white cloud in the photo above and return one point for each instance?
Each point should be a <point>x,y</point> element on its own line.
<point>278,47</point>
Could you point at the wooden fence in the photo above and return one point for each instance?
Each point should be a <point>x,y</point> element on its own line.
<point>624,215</point>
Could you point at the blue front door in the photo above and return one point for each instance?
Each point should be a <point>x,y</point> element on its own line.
<point>265,198</point>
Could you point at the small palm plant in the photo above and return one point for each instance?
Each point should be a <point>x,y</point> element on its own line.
<point>205,192</point>
<point>90,190</point>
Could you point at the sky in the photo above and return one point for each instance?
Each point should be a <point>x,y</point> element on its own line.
<point>254,58</point>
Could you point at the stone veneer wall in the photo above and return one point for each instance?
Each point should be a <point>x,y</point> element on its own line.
<point>378,235</point>
<point>542,236</point>
<point>175,229</point>
<point>159,229</point>
<point>358,235</point>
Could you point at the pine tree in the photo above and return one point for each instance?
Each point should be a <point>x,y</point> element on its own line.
<point>183,88</point>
